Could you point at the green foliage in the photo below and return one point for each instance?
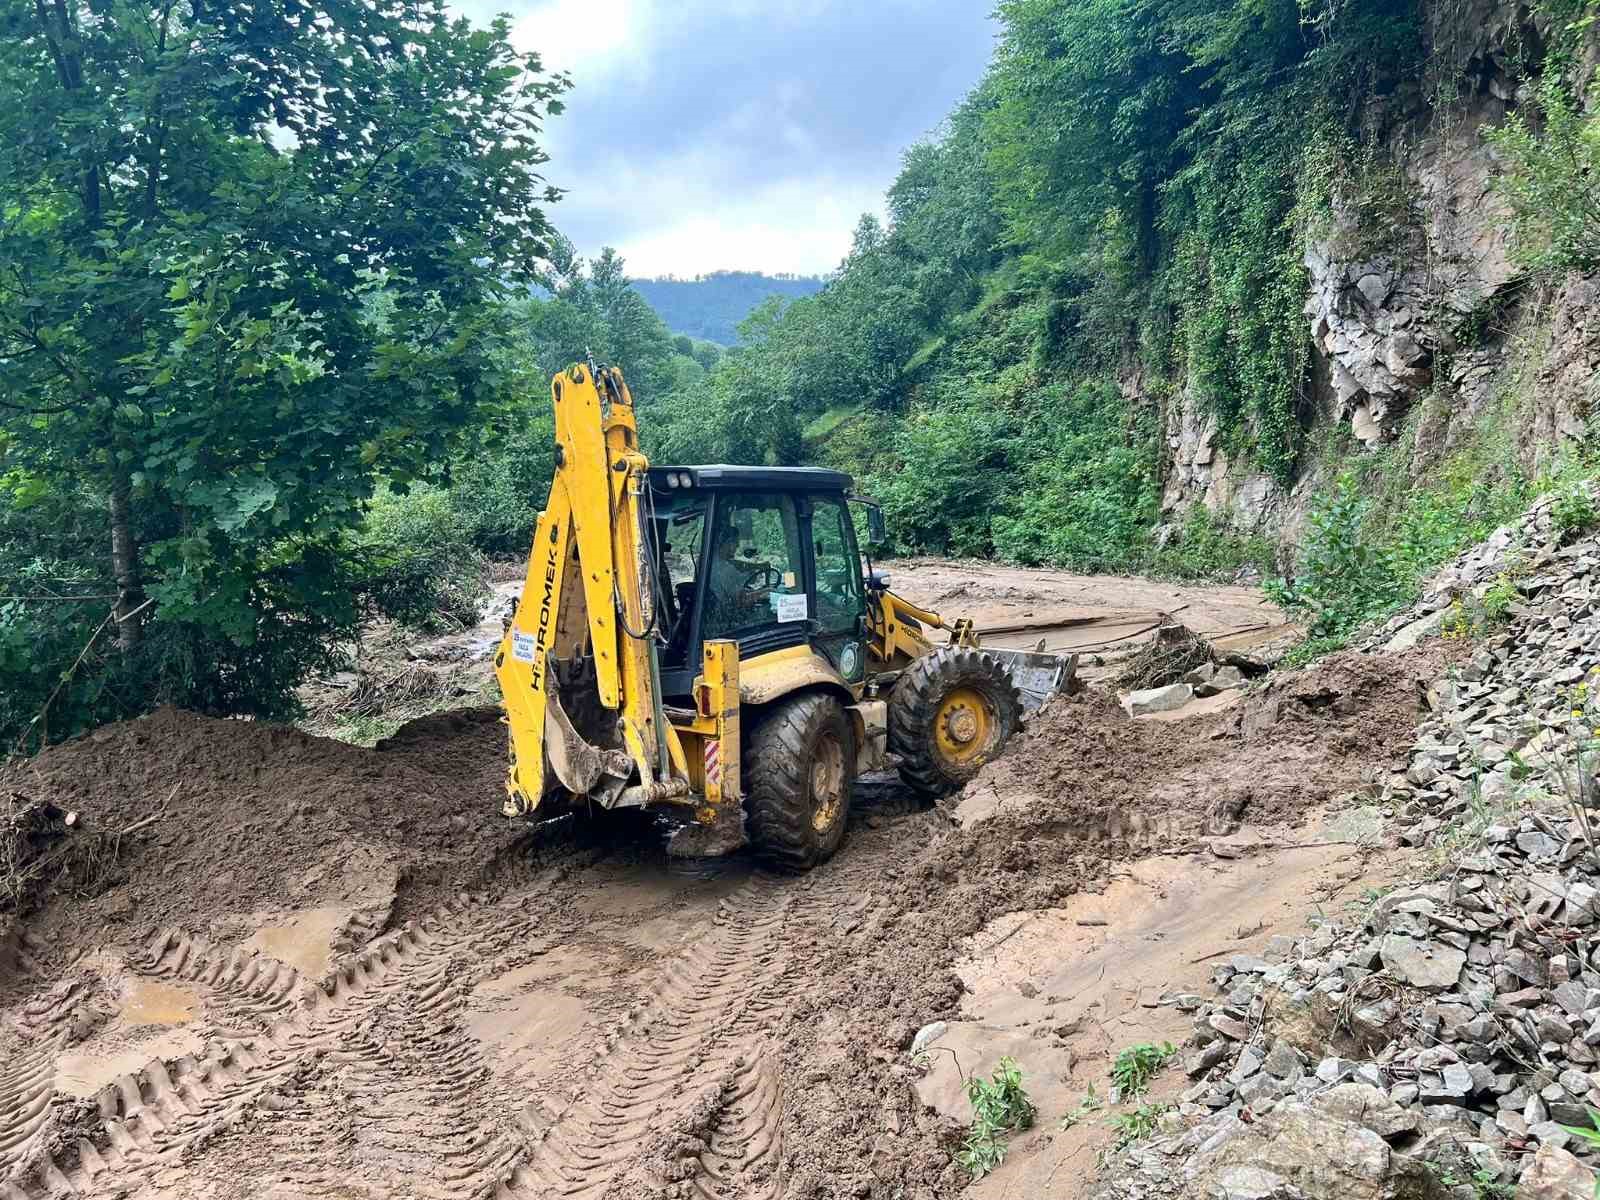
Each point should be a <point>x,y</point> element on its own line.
<point>419,563</point>
<point>1376,535</point>
<point>499,485</point>
<point>1574,510</point>
<point>1135,1066</point>
<point>1497,601</point>
<point>1169,139</point>
<point>593,310</point>
<point>1343,577</point>
<point>1136,1124</point>
<point>1548,174</point>
<point>1000,1107</point>
<point>255,262</point>
<point>1205,547</point>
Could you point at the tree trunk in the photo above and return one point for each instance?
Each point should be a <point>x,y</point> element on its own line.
<point>125,564</point>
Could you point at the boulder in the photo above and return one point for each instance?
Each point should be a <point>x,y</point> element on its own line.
<point>1223,680</point>
<point>1554,1174</point>
<point>1367,1106</point>
<point>1431,966</point>
<point>1158,700</point>
<point>1315,1155</point>
<point>1251,1183</point>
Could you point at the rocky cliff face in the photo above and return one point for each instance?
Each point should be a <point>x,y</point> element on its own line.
<point>1417,316</point>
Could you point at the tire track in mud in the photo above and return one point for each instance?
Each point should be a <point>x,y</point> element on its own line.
<point>743,1153</point>
<point>712,1021</point>
<point>384,1022</point>
<point>27,1079</point>
<point>369,1083</point>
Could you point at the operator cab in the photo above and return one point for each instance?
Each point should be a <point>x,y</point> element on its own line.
<point>763,556</point>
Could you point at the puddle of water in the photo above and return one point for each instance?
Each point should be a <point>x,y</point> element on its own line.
<point>302,939</point>
<point>153,1002</point>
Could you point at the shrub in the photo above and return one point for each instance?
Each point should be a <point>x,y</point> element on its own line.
<point>1000,1107</point>
<point>1574,510</point>
<point>497,490</point>
<point>1343,577</point>
<point>1135,1066</point>
<point>1549,177</point>
<point>417,560</point>
<point>1206,547</point>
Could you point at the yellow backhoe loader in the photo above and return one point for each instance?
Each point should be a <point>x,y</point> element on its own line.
<point>704,642</point>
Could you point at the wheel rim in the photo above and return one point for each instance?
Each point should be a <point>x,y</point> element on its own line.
<point>965,726</point>
<point>827,783</point>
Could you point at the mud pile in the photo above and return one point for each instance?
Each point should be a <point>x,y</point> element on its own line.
<point>1084,788</point>
<point>198,817</point>
<point>589,1022</point>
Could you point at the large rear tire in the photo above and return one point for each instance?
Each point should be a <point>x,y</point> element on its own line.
<point>950,712</point>
<point>798,774</point>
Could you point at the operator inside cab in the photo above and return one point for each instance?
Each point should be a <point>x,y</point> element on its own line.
<point>740,585</point>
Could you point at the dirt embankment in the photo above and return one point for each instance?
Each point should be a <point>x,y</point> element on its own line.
<point>589,1023</point>
<point>190,821</point>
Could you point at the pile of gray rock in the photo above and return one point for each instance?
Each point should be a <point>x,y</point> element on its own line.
<point>1208,679</point>
<point>1444,1038</point>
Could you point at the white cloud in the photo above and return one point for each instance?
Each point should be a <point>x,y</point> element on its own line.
<point>584,36</point>
<point>710,134</point>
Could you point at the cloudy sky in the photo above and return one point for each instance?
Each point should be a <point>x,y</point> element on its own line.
<point>741,134</point>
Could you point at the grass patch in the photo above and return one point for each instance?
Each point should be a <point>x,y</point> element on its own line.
<point>1090,1103</point>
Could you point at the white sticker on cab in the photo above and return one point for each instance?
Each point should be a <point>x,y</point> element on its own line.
<point>522,646</point>
<point>790,608</point>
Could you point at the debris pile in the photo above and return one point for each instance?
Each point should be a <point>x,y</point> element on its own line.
<point>30,832</point>
<point>1452,1025</point>
<point>1176,666</point>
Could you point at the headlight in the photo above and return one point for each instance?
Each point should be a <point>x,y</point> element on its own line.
<point>672,480</point>
<point>685,479</point>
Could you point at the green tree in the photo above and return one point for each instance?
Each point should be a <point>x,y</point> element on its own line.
<point>594,310</point>
<point>250,261</point>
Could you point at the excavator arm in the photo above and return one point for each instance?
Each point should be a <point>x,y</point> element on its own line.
<point>587,611</point>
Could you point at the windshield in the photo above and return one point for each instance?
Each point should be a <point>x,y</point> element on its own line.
<point>755,566</point>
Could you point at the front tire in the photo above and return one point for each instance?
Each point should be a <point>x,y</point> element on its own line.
<point>798,774</point>
<point>951,712</point>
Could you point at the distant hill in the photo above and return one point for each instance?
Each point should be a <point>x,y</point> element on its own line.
<point>710,307</point>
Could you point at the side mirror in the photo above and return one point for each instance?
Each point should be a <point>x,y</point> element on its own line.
<point>877,534</point>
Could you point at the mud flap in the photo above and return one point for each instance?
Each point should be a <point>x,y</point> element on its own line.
<point>1037,676</point>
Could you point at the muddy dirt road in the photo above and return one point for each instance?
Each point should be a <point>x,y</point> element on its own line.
<point>1104,616</point>
<point>267,964</point>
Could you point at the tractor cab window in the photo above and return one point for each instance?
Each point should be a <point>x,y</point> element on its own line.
<point>754,569</point>
<point>680,523</point>
<point>840,600</point>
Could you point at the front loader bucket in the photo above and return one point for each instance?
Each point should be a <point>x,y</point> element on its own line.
<point>1037,676</point>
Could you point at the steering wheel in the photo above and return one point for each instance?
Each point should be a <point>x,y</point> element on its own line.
<point>768,576</point>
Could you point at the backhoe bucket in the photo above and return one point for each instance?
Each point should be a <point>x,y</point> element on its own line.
<point>1037,676</point>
